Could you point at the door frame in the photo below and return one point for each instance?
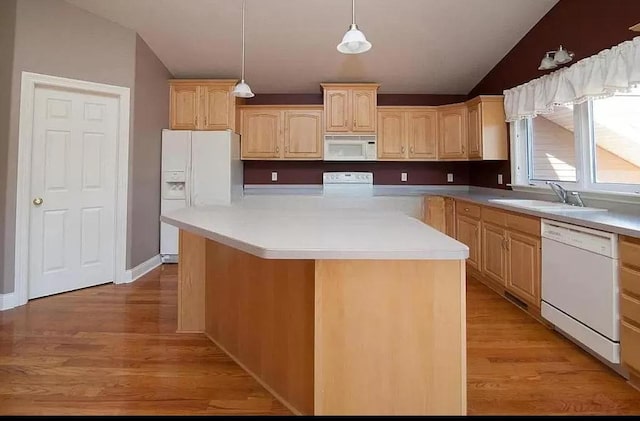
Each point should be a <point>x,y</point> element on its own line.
<point>31,81</point>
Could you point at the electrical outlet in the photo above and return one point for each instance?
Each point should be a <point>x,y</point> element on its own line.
<point>403,176</point>
<point>450,178</point>
<point>274,176</point>
<point>500,181</point>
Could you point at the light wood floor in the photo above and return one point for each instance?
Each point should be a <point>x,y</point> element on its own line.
<point>113,350</point>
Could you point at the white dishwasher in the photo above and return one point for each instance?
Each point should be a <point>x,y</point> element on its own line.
<point>580,285</point>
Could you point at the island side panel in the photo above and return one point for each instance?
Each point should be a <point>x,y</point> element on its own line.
<point>260,312</point>
<point>191,277</point>
<point>390,337</point>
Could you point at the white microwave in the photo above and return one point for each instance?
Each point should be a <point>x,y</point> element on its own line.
<point>350,148</point>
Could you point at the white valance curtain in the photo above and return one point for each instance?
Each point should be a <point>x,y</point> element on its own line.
<point>613,70</point>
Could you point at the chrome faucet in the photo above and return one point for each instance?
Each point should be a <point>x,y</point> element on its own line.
<point>559,191</point>
<point>577,199</point>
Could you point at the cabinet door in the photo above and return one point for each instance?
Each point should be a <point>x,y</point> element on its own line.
<point>449,215</point>
<point>494,253</point>
<point>363,109</point>
<point>184,104</point>
<point>474,135</point>
<point>303,134</point>
<point>217,108</point>
<point>422,134</point>
<point>523,265</point>
<point>435,213</point>
<point>261,133</point>
<point>391,135</point>
<point>468,232</point>
<point>337,118</point>
<point>453,133</point>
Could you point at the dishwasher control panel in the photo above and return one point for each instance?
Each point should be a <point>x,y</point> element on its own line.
<point>600,242</point>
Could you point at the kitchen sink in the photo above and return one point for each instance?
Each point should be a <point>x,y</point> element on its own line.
<point>543,205</point>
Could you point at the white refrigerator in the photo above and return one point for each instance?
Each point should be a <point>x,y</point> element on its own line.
<point>199,168</point>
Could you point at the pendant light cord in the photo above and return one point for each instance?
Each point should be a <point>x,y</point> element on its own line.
<point>243,6</point>
<point>353,11</point>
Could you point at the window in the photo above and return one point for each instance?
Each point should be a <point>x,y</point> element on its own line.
<point>552,146</point>
<point>594,146</point>
<point>616,137</point>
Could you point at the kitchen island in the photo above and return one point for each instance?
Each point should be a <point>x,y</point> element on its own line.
<point>333,311</point>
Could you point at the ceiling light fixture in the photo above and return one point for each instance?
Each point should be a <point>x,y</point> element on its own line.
<point>242,89</point>
<point>354,41</point>
<point>552,59</point>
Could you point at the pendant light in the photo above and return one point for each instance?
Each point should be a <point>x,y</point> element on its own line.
<point>242,89</point>
<point>354,41</point>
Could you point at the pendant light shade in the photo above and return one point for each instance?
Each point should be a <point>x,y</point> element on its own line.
<point>547,62</point>
<point>242,89</point>
<point>562,56</point>
<point>354,41</point>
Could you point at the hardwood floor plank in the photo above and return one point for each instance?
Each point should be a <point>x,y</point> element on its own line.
<point>114,350</point>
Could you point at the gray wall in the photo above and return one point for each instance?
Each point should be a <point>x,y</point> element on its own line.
<point>151,111</point>
<point>56,38</point>
<point>7,37</point>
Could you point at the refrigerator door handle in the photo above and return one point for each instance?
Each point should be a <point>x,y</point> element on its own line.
<point>189,178</point>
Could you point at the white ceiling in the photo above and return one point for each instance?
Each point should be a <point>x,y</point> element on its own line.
<point>419,46</point>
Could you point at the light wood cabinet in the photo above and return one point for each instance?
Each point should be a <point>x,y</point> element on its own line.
<point>407,133</point>
<point>439,213</point>
<point>523,265</point>
<point>494,254</point>
<point>452,122</point>
<point>468,233</point>
<point>350,107</point>
<point>630,306</point>
<point>201,104</point>
<point>271,132</point>
<point>487,130</point>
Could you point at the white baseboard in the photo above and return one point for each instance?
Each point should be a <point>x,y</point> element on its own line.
<point>142,269</point>
<point>8,301</point>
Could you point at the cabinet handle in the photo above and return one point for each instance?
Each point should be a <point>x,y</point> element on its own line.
<point>507,243</point>
<point>354,122</point>
<point>286,149</point>
<point>466,209</point>
<point>402,149</point>
<point>205,120</point>
<point>196,120</point>
<point>277,149</point>
<point>462,148</point>
<point>411,149</point>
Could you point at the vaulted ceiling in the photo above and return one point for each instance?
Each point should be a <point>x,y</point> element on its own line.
<point>419,46</point>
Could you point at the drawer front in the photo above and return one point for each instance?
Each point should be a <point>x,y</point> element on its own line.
<point>630,345</point>
<point>524,224</point>
<point>468,209</point>
<point>630,281</point>
<point>630,252</point>
<point>495,217</point>
<point>630,309</point>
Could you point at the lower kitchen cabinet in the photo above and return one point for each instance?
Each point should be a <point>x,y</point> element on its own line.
<point>523,266</point>
<point>468,233</point>
<point>630,307</point>
<point>494,256</point>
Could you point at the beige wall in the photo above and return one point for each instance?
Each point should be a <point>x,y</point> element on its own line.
<point>151,111</point>
<point>7,35</point>
<point>56,38</point>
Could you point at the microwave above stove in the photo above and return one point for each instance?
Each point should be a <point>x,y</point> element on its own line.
<point>350,148</point>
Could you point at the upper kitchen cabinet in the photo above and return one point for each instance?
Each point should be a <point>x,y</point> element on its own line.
<point>202,104</point>
<point>452,125</point>
<point>487,130</point>
<point>350,107</point>
<point>407,133</point>
<point>281,132</point>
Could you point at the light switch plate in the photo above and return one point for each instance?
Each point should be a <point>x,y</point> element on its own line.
<point>403,176</point>
<point>500,181</point>
<point>274,176</point>
<point>450,178</point>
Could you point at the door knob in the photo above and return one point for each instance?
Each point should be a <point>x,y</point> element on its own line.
<point>38,201</point>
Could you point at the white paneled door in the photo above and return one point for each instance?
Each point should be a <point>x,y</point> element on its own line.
<point>73,186</point>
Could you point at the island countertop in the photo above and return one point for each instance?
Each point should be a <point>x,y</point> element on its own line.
<point>319,234</point>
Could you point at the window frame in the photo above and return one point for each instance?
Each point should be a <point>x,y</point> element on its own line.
<point>585,147</point>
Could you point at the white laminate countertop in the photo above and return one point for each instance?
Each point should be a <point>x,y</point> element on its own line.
<point>319,234</point>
